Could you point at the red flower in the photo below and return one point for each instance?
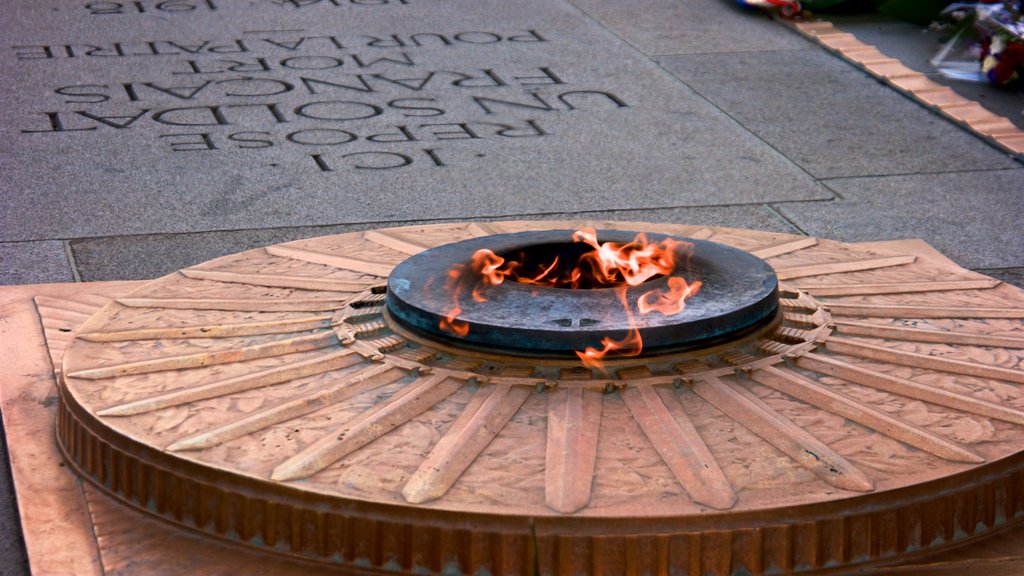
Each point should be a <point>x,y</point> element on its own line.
<point>1010,61</point>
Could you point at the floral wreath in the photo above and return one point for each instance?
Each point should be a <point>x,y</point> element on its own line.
<point>998,29</point>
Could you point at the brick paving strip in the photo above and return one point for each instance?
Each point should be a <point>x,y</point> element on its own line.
<point>973,117</point>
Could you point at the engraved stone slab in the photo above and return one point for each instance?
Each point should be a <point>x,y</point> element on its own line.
<point>197,115</point>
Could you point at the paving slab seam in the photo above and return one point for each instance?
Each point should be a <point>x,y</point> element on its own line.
<point>653,59</point>
<point>673,54</point>
<point>745,128</point>
<point>778,214</point>
<point>597,22</point>
<point>836,193</point>
<point>71,261</point>
<point>827,179</point>
<point>406,222</point>
<point>965,113</point>
<point>375,223</point>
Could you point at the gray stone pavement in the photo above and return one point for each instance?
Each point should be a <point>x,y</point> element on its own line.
<point>138,139</point>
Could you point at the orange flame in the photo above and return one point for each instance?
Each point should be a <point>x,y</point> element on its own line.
<point>487,265</point>
<point>611,264</point>
<point>671,302</point>
<point>453,325</point>
<point>629,346</point>
<point>634,262</point>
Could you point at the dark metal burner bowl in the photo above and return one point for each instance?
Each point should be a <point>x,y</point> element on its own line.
<point>739,291</point>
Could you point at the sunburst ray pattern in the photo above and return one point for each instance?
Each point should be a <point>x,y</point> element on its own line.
<point>285,367</point>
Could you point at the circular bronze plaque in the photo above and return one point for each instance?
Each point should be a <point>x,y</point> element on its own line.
<point>268,398</point>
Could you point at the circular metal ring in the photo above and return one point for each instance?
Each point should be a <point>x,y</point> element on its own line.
<point>738,291</point>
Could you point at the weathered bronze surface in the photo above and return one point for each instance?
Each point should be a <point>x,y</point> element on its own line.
<point>263,398</point>
<point>738,292</point>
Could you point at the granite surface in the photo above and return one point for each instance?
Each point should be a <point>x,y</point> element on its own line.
<point>152,255</point>
<point>34,263</point>
<point>658,27</point>
<point>971,217</point>
<point>829,118</point>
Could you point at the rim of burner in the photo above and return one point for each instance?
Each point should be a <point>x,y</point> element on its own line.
<point>458,346</point>
<point>739,294</point>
